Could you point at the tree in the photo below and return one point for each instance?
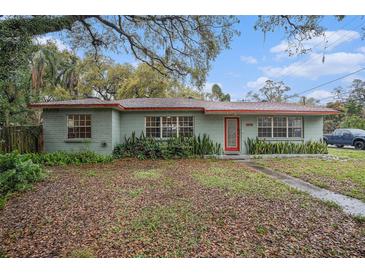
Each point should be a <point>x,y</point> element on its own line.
<point>357,92</point>
<point>353,121</point>
<point>16,48</point>
<point>309,101</point>
<point>145,82</point>
<point>184,46</point>
<point>102,77</point>
<point>218,95</point>
<point>271,92</point>
<point>54,73</point>
<point>297,28</point>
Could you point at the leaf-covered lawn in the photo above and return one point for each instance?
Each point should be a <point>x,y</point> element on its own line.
<point>346,177</point>
<point>183,208</point>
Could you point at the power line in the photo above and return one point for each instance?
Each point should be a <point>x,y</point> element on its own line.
<point>329,82</point>
<point>300,65</point>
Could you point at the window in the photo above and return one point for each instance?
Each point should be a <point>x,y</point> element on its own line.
<point>153,127</point>
<point>295,127</point>
<point>280,127</point>
<point>169,126</point>
<point>186,126</point>
<point>265,127</point>
<point>78,126</point>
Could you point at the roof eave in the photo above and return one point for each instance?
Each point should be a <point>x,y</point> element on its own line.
<point>73,106</point>
<point>271,112</point>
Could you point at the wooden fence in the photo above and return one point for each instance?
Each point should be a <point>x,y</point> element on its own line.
<point>21,138</point>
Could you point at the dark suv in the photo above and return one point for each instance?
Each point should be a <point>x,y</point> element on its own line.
<point>346,137</point>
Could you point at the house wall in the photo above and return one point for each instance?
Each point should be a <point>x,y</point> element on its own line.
<point>116,136</point>
<point>135,122</point>
<point>112,126</point>
<point>312,130</point>
<point>55,130</point>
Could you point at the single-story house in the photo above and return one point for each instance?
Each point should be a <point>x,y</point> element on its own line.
<point>98,125</point>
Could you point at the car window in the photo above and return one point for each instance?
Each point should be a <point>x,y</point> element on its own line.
<point>358,131</point>
<point>337,132</point>
<point>346,132</point>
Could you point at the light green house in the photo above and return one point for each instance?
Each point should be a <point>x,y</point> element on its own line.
<point>98,125</point>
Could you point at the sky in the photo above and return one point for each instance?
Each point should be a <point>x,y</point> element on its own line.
<point>253,58</point>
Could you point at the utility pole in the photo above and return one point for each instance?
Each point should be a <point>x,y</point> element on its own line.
<point>304,100</point>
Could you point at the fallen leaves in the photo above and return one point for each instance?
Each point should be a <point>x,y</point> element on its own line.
<point>166,211</point>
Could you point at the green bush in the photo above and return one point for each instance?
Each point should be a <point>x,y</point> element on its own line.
<point>148,148</point>
<point>17,172</point>
<point>66,158</point>
<point>260,146</point>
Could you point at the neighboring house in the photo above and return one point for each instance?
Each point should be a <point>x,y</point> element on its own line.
<point>98,125</point>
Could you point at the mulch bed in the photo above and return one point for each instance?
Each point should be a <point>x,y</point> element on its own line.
<point>105,210</point>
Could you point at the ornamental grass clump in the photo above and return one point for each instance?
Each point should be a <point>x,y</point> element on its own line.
<point>178,147</point>
<point>261,146</point>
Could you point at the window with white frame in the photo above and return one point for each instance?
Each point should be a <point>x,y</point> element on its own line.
<point>280,127</point>
<point>153,127</point>
<point>265,126</point>
<point>169,126</point>
<point>295,127</point>
<point>78,126</point>
<point>186,126</point>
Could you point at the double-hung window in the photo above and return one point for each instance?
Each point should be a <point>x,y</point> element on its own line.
<point>280,127</point>
<point>153,126</point>
<point>295,125</point>
<point>265,127</point>
<point>169,126</point>
<point>78,126</point>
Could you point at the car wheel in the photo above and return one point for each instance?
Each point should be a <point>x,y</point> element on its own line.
<point>359,145</point>
<point>339,146</point>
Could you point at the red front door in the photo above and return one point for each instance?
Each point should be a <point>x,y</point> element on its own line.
<point>231,134</point>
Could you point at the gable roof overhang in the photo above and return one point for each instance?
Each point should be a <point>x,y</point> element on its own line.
<point>270,112</point>
<point>171,104</point>
<point>74,106</point>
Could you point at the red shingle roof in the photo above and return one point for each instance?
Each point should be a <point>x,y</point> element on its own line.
<point>189,104</point>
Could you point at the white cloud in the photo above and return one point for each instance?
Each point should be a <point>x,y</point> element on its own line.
<point>330,40</point>
<point>42,40</point>
<point>335,63</point>
<point>258,83</point>
<point>361,49</point>
<point>319,94</point>
<point>248,59</point>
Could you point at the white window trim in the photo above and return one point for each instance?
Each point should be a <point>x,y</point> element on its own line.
<point>91,127</point>
<point>161,126</point>
<point>287,129</point>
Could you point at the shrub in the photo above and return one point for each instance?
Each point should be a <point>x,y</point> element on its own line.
<point>259,146</point>
<point>66,158</point>
<point>17,172</point>
<point>148,148</point>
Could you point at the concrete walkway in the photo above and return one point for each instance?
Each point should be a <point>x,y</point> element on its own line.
<point>350,205</point>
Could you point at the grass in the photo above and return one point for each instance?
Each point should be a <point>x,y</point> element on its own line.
<point>134,193</point>
<point>345,152</point>
<point>152,174</point>
<point>240,181</point>
<point>81,253</point>
<point>346,177</point>
<point>179,208</point>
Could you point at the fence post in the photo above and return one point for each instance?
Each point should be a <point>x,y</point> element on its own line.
<point>21,138</point>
